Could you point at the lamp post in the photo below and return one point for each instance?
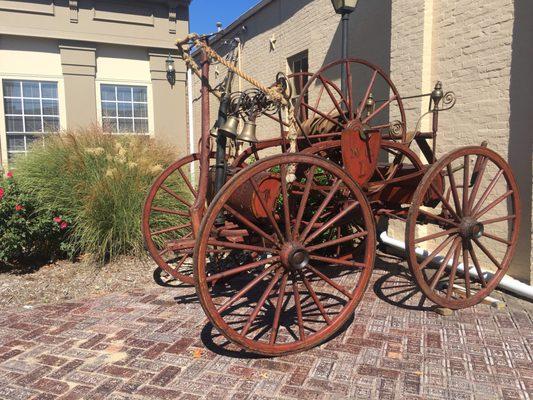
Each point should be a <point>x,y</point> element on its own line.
<point>345,8</point>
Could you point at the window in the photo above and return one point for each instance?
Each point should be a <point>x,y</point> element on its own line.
<point>300,64</point>
<point>124,109</point>
<point>31,108</point>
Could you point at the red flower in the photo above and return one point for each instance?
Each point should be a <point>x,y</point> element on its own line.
<point>58,220</point>
<point>1,193</point>
<point>18,207</point>
<point>9,174</point>
<point>64,225</point>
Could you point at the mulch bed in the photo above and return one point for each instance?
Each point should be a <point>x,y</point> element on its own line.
<point>65,280</point>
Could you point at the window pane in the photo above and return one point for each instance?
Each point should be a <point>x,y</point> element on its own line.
<point>124,110</point>
<point>32,107</point>
<point>33,124</point>
<point>14,124</point>
<point>15,143</point>
<point>140,110</point>
<point>108,92</point>
<point>13,106</point>
<point>141,126</point>
<point>51,124</point>
<point>125,125</point>
<point>110,125</point>
<point>49,90</point>
<point>124,93</point>
<point>30,89</point>
<point>32,140</point>
<point>109,109</point>
<point>12,88</point>
<point>139,94</point>
<point>50,107</point>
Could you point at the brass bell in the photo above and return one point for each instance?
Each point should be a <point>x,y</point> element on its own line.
<point>248,133</point>
<point>370,105</point>
<point>230,127</point>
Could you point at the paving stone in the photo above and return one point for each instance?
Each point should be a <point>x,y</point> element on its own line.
<point>145,344</point>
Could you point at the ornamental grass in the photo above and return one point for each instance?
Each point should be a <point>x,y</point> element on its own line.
<point>98,183</point>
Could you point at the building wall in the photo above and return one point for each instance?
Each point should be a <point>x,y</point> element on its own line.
<point>481,50</point>
<point>85,44</point>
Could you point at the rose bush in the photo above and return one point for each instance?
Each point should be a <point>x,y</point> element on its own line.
<point>26,233</point>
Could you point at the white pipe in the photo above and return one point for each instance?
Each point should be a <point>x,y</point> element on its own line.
<point>191,118</point>
<point>507,283</point>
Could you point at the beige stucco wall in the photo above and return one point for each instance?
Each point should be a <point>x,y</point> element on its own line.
<point>83,44</point>
<point>480,50</point>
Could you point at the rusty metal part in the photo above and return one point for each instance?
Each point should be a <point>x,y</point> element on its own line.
<point>465,232</point>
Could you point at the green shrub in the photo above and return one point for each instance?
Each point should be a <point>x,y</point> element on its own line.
<point>24,232</point>
<point>97,182</point>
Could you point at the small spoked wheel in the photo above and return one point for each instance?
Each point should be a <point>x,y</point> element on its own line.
<point>166,226</point>
<point>470,236</point>
<point>282,274</point>
<point>370,97</point>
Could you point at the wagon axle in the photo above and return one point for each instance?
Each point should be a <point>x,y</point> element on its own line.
<point>294,256</point>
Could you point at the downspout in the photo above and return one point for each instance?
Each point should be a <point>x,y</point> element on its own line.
<point>507,283</point>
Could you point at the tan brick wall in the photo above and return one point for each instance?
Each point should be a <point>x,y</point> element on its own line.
<point>469,45</point>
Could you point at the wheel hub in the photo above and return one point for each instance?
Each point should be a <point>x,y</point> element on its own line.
<point>470,228</point>
<point>294,256</point>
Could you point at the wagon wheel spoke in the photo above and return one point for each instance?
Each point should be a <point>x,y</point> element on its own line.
<point>247,288</point>
<point>455,263</point>
<point>315,298</point>
<point>286,205</point>
<point>175,195</point>
<point>445,202</point>
<point>437,235</point>
<point>170,212</point>
<point>250,224</point>
<point>298,306</point>
<point>279,306</point>
<point>487,192</point>
<point>379,109</point>
<point>329,281</point>
<point>475,180</point>
<point>494,204</point>
<point>331,222</point>
<point>323,205</point>
<point>261,302</point>
<point>466,178</point>
<point>437,251</point>
<point>171,229</point>
<point>488,254</point>
<point>268,211</point>
<point>323,115</point>
<point>310,176</point>
<point>241,246</point>
<point>477,265</point>
<point>453,187</point>
<point>337,261</point>
<point>443,265</point>
<point>438,218</point>
<point>341,112</point>
<point>338,241</point>
<point>349,87</point>
<point>188,182</point>
<point>499,219</point>
<point>466,268</point>
<point>367,94</point>
<point>242,268</point>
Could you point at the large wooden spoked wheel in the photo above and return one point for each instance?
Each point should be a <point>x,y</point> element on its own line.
<point>471,235</point>
<point>166,219</point>
<point>323,100</point>
<point>276,289</point>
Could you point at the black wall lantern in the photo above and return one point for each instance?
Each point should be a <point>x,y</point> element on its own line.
<point>344,6</point>
<point>171,70</point>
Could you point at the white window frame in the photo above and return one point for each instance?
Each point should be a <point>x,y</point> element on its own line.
<point>4,154</point>
<point>149,98</point>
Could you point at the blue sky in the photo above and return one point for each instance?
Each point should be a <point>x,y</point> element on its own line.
<point>204,14</point>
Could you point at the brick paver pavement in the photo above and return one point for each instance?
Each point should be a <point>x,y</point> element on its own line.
<point>156,344</point>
